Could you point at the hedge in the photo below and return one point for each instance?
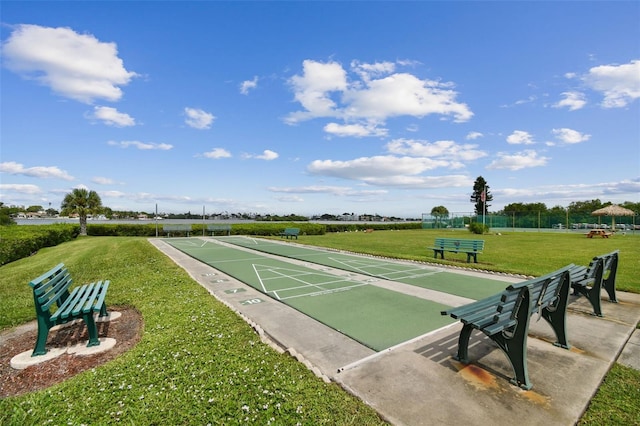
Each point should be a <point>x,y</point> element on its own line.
<point>18,241</point>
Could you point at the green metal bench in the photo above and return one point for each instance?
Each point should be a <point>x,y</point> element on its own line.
<point>219,228</point>
<point>176,228</point>
<point>52,288</point>
<point>504,317</point>
<point>455,245</point>
<point>589,281</point>
<point>290,233</point>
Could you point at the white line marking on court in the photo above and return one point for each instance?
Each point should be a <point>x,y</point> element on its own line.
<point>305,284</point>
<point>264,289</point>
<point>399,345</point>
<point>322,293</point>
<point>391,269</point>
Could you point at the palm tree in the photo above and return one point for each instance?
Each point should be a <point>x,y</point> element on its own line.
<point>82,202</point>
<point>439,212</point>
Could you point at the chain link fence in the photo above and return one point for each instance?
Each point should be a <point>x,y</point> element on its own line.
<point>531,220</point>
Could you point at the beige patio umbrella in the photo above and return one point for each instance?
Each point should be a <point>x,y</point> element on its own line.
<point>613,210</point>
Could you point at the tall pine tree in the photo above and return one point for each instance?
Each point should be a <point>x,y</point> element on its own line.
<point>481,196</point>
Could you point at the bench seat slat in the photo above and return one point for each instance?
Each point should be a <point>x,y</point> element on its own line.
<point>473,306</point>
<point>499,327</point>
<point>78,295</point>
<point>84,305</point>
<point>103,294</point>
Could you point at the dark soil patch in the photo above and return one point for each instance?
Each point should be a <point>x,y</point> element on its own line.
<point>127,331</point>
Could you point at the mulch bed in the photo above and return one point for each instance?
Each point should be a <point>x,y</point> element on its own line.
<point>127,331</point>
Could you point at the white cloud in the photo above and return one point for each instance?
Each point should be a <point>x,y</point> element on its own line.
<point>43,172</point>
<point>198,119</point>
<point>113,194</point>
<point>473,135</point>
<point>367,71</point>
<point>76,66</point>
<point>572,100</point>
<point>422,182</point>
<point>365,168</point>
<point>519,137</point>
<point>216,153</point>
<point>449,150</point>
<point>517,161</point>
<point>290,199</point>
<point>20,188</point>
<point>570,136</point>
<point>403,94</point>
<point>248,85</point>
<point>620,84</point>
<point>267,155</point>
<point>341,191</point>
<point>374,94</point>
<point>112,117</point>
<point>145,146</point>
<point>313,88</point>
<point>102,180</point>
<point>355,130</point>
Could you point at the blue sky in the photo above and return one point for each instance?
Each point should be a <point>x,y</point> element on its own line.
<point>319,107</point>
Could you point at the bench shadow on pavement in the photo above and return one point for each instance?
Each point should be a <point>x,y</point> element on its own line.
<point>441,352</point>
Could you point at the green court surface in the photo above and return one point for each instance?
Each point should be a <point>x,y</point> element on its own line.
<point>374,316</point>
<point>419,275</point>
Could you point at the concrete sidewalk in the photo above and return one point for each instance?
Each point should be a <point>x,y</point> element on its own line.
<point>419,383</point>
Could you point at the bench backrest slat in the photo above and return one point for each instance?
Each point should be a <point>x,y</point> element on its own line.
<point>51,287</point>
<point>610,261</point>
<point>546,289</point>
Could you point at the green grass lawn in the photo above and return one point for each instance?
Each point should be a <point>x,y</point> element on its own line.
<point>200,363</point>
<point>527,253</point>
<point>197,361</point>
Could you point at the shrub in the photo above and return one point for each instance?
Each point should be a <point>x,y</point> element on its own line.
<point>478,228</point>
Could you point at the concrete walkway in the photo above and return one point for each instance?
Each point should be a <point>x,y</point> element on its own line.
<point>419,383</point>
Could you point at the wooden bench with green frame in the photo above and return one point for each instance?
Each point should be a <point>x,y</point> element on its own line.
<point>456,245</point>
<point>52,288</point>
<point>589,280</point>
<point>168,228</point>
<point>219,228</point>
<point>504,317</point>
<point>290,233</point>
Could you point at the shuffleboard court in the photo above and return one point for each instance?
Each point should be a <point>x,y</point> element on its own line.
<point>424,276</point>
<point>376,317</point>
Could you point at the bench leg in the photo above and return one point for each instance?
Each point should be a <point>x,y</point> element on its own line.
<point>103,311</point>
<point>514,345</point>
<point>475,257</point>
<point>435,253</point>
<point>609,283</point>
<point>92,328</point>
<point>593,294</point>
<point>463,344</point>
<point>41,341</point>
<point>556,314</point>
